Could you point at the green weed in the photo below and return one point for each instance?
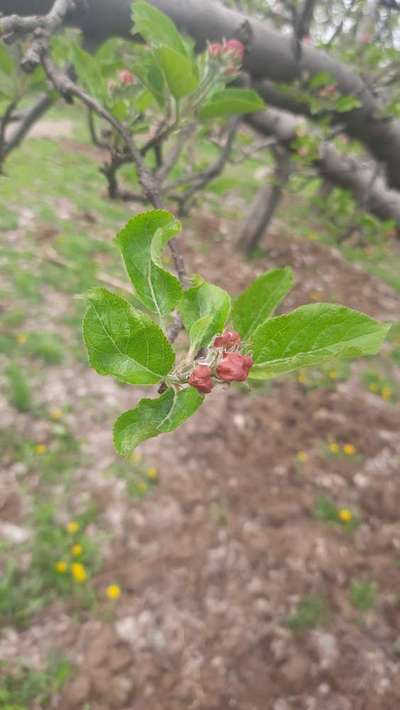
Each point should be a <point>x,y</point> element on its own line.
<point>19,389</point>
<point>310,613</point>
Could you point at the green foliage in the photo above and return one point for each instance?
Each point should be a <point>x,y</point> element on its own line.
<point>141,243</point>
<point>257,303</point>
<point>311,612</point>
<point>123,342</point>
<point>231,102</point>
<point>156,28</point>
<point>310,335</point>
<point>205,309</point>
<point>363,595</point>
<point>22,686</point>
<point>178,71</point>
<point>153,417</point>
<point>19,390</point>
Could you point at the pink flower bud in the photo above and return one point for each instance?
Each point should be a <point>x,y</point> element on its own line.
<point>235,48</point>
<point>234,367</point>
<point>126,77</point>
<point>201,379</point>
<point>228,339</point>
<point>215,49</point>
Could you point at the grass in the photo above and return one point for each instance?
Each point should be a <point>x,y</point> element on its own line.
<point>311,612</point>
<point>19,389</point>
<point>363,595</point>
<point>22,686</point>
<point>24,592</point>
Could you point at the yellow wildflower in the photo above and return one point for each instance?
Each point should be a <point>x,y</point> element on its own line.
<point>61,566</point>
<point>373,387</point>
<point>76,550</point>
<point>152,473</point>
<point>72,527</point>
<point>40,449</point>
<point>302,456</point>
<point>56,413</point>
<point>22,338</point>
<point>386,393</point>
<point>78,572</point>
<point>113,592</point>
<point>345,515</point>
<point>349,449</point>
<point>332,375</point>
<point>302,378</point>
<point>333,447</point>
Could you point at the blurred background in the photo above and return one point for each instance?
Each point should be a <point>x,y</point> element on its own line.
<point>251,559</point>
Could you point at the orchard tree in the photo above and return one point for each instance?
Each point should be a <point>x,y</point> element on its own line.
<point>145,103</point>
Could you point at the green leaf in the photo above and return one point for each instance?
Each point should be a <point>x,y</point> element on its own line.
<point>311,335</point>
<point>154,416</point>
<point>347,103</point>
<point>156,28</point>
<point>231,102</point>
<point>259,300</point>
<point>323,78</point>
<point>123,342</point>
<point>205,308</point>
<point>87,68</point>
<point>178,72</point>
<point>141,243</point>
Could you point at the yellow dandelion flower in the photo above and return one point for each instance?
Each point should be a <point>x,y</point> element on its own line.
<point>61,566</point>
<point>76,550</point>
<point>302,378</point>
<point>373,387</point>
<point>22,338</point>
<point>349,449</point>
<point>78,572</point>
<point>136,457</point>
<point>72,527</point>
<point>386,393</point>
<point>333,447</point>
<point>113,592</point>
<point>40,449</point>
<point>302,456</point>
<point>345,515</point>
<point>332,375</point>
<point>56,413</point>
<point>152,473</point>
<point>142,487</point>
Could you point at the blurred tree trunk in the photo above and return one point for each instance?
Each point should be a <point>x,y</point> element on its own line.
<point>264,206</point>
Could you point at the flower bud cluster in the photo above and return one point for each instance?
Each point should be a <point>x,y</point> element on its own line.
<point>229,364</point>
<point>230,53</point>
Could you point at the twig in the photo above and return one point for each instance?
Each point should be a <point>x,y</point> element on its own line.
<point>29,118</point>
<point>200,180</point>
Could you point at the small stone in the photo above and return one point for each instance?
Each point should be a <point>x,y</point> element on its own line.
<point>327,649</point>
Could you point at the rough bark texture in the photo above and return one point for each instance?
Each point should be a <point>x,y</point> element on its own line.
<point>341,170</point>
<point>270,56</point>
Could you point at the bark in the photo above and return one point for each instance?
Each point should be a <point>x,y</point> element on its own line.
<point>270,56</point>
<point>265,204</point>
<point>340,170</point>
